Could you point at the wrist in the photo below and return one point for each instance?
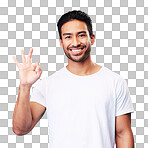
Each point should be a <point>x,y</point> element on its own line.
<point>25,86</point>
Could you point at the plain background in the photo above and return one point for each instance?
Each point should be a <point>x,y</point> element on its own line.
<point>121,29</point>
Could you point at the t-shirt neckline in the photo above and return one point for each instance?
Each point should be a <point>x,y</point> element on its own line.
<point>87,76</point>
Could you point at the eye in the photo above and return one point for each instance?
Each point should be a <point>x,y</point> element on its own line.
<point>67,37</point>
<point>82,35</point>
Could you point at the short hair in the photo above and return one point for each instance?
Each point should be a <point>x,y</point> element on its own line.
<point>75,15</point>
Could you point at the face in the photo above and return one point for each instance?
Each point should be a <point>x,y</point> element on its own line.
<point>76,41</point>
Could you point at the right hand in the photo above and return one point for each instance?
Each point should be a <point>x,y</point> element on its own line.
<point>28,73</point>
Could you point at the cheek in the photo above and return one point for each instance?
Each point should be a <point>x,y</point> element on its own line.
<point>85,41</point>
<point>64,43</point>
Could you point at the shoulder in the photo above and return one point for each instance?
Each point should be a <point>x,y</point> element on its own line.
<point>46,79</point>
<point>114,80</point>
<point>113,76</point>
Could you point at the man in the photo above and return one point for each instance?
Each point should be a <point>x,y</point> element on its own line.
<point>88,105</point>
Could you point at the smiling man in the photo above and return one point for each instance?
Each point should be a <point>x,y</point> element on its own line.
<point>88,105</point>
<point>76,42</point>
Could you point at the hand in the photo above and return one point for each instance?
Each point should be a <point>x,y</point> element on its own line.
<point>28,73</point>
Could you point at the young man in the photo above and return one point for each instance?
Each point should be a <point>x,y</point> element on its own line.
<point>88,105</point>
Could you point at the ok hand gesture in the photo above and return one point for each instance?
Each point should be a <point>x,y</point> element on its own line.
<point>28,73</point>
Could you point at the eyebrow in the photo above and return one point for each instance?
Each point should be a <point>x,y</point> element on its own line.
<point>81,32</point>
<point>71,33</point>
<point>66,34</point>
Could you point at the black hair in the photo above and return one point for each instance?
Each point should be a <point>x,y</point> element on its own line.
<point>72,15</point>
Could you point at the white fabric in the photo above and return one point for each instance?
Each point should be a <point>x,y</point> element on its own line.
<point>81,110</point>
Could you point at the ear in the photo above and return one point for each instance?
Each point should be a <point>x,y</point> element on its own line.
<point>61,43</point>
<point>92,39</point>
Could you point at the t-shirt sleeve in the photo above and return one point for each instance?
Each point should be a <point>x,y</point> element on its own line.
<point>123,100</point>
<point>38,92</point>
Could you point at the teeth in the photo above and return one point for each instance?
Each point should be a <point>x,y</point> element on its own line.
<point>76,50</point>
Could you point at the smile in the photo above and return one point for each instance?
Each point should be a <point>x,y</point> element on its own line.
<point>76,50</point>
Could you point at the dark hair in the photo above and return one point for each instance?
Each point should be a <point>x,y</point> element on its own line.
<point>72,15</point>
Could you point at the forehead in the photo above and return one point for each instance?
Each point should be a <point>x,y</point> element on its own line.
<point>74,26</point>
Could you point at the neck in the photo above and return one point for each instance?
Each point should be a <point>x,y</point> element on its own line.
<point>81,68</point>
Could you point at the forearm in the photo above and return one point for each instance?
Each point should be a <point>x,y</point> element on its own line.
<point>22,118</point>
<point>125,140</point>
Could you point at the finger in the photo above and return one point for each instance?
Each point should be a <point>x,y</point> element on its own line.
<point>33,67</point>
<point>29,56</point>
<point>23,57</point>
<point>37,68</point>
<point>37,63</point>
<point>39,72</point>
<point>16,61</point>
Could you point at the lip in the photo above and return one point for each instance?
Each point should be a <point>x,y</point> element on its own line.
<point>79,52</point>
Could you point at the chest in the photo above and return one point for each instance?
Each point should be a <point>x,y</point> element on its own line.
<point>75,97</point>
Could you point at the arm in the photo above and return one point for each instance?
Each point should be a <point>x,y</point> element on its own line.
<point>124,135</point>
<point>26,114</point>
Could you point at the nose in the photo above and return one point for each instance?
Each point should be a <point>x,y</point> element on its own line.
<point>75,41</point>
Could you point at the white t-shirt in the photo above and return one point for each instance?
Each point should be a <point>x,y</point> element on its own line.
<point>81,110</point>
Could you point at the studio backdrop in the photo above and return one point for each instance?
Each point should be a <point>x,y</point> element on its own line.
<point>121,29</point>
